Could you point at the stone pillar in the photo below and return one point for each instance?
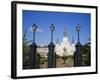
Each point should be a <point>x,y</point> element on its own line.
<point>38,61</point>
<point>32,55</point>
<point>51,56</point>
<point>78,55</point>
<point>88,55</point>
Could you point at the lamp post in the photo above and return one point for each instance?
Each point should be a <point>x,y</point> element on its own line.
<point>51,53</point>
<point>52,30</point>
<point>32,52</point>
<point>34,28</point>
<point>78,53</point>
<point>78,30</point>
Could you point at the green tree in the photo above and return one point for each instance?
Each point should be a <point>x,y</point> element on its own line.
<point>25,50</point>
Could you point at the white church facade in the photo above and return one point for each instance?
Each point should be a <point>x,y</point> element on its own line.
<point>65,48</point>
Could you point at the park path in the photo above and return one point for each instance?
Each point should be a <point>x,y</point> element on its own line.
<point>60,63</point>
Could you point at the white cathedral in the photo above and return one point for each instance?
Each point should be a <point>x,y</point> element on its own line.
<point>65,48</point>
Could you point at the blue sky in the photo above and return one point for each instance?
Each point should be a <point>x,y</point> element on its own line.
<point>61,21</point>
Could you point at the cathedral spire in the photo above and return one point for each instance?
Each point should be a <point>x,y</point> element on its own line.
<point>72,40</point>
<point>65,33</point>
<point>57,41</point>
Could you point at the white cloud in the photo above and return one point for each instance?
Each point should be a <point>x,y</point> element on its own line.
<point>38,29</point>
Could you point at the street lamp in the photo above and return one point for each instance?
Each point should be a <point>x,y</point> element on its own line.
<point>52,30</point>
<point>34,28</point>
<point>78,53</point>
<point>51,53</point>
<point>32,52</point>
<point>78,30</point>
